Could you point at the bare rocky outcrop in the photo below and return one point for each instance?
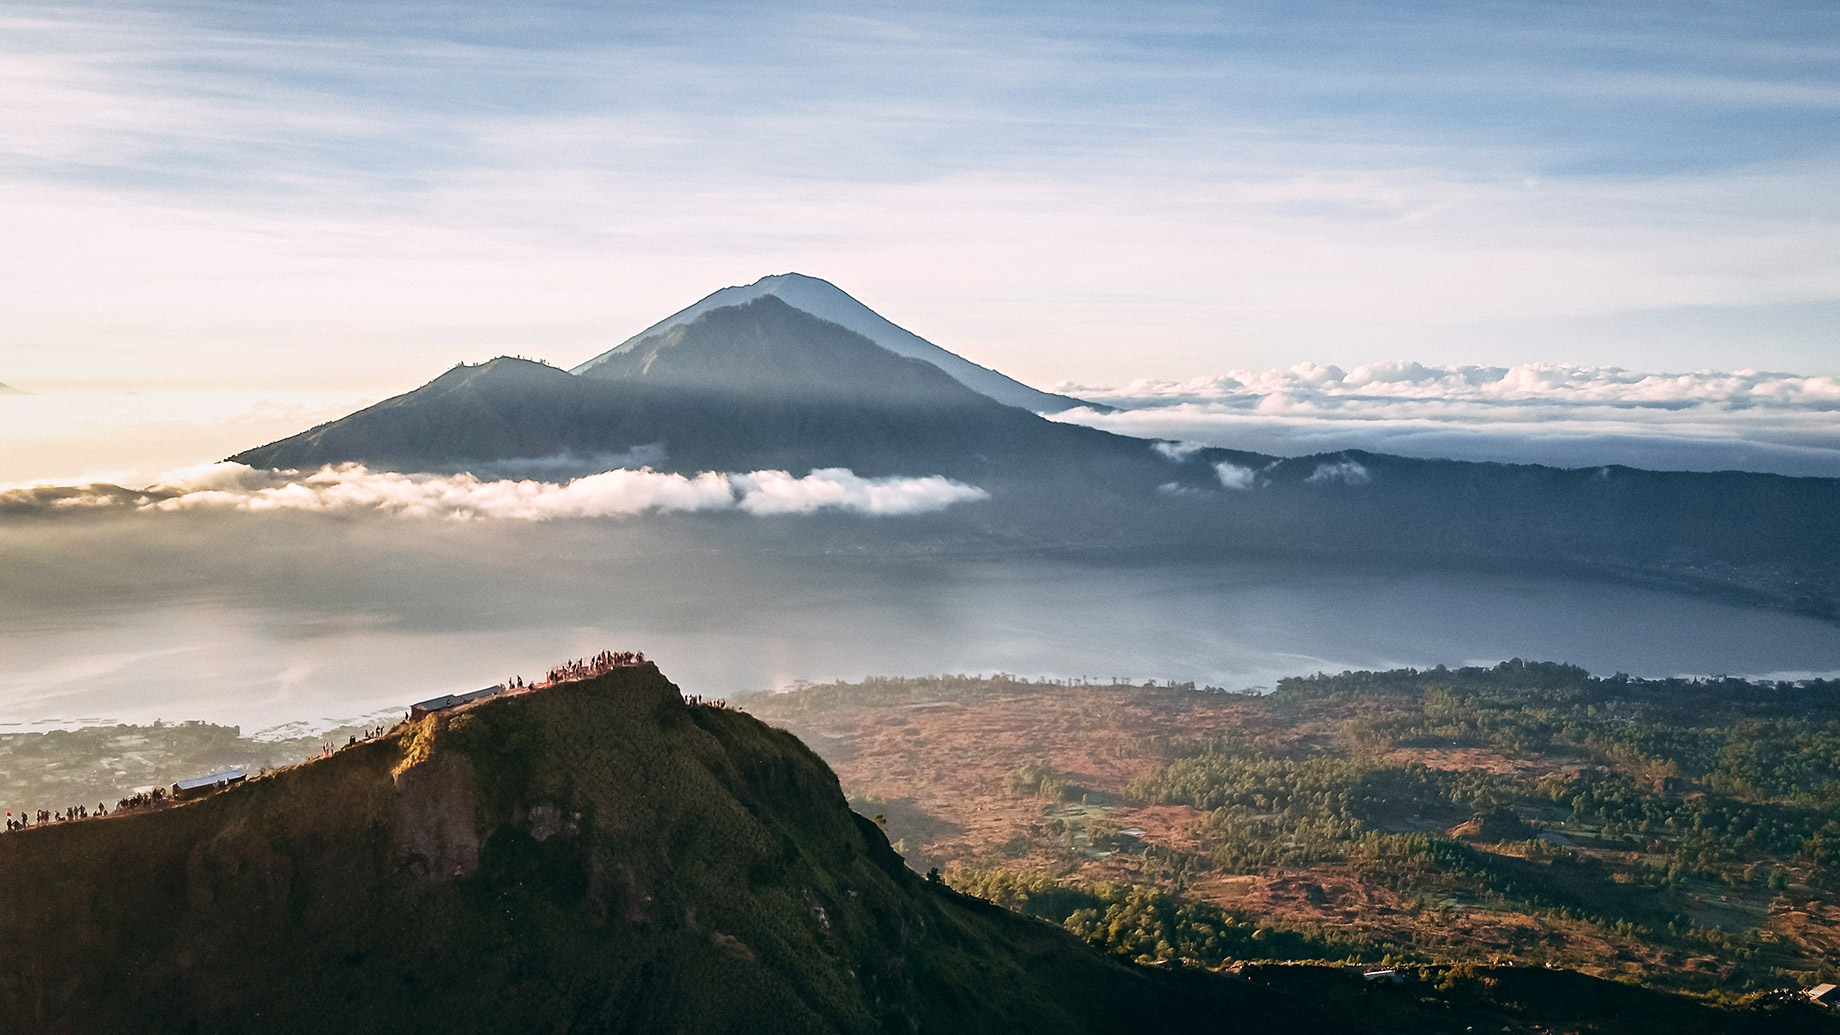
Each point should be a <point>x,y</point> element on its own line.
<point>432,819</point>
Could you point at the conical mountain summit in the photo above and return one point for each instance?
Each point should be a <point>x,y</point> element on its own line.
<point>828,302</point>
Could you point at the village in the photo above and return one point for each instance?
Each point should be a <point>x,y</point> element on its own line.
<point>160,797</point>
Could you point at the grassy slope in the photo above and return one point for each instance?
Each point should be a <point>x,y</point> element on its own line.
<point>594,857</point>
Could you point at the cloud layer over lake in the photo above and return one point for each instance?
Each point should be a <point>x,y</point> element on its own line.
<point>353,488</point>
<point>1566,415</point>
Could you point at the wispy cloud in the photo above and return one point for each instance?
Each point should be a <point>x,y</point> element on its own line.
<point>182,183</point>
<point>354,489</point>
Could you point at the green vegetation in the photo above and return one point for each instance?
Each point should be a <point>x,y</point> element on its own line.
<point>1043,781</point>
<point>1651,804</point>
<point>1148,925</point>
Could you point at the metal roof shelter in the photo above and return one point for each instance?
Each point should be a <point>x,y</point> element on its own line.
<point>436,704</point>
<point>199,786</point>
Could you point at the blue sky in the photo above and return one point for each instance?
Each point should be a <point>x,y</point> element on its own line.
<point>356,195</point>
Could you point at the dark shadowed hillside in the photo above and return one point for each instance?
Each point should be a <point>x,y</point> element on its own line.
<point>599,856</point>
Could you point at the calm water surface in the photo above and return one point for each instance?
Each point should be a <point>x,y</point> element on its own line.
<point>313,624</point>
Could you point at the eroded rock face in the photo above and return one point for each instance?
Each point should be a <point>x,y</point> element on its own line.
<point>432,819</point>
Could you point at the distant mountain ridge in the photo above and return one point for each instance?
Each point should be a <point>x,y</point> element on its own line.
<point>828,302</point>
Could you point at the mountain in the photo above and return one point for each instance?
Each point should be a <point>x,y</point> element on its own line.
<point>10,390</point>
<point>828,302</point>
<point>765,385</point>
<point>501,409</point>
<point>596,856</point>
<point>760,385</point>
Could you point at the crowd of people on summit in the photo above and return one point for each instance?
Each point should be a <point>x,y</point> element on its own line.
<point>587,668</point>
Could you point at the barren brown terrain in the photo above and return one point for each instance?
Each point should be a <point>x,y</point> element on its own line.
<point>953,768</point>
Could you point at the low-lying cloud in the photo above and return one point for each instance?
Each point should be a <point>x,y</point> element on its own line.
<point>1559,414</point>
<point>1348,472</point>
<point>777,492</point>
<point>1233,476</point>
<point>1178,451</point>
<point>355,489</point>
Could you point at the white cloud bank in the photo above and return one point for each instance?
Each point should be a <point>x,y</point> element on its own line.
<point>354,489</point>
<point>1404,381</point>
<point>1538,413</point>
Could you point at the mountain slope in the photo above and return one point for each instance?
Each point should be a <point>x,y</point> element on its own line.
<point>502,409</point>
<point>598,856</point>
<point>826,301</point>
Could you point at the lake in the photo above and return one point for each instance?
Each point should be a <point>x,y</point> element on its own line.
<point>265,622</point>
